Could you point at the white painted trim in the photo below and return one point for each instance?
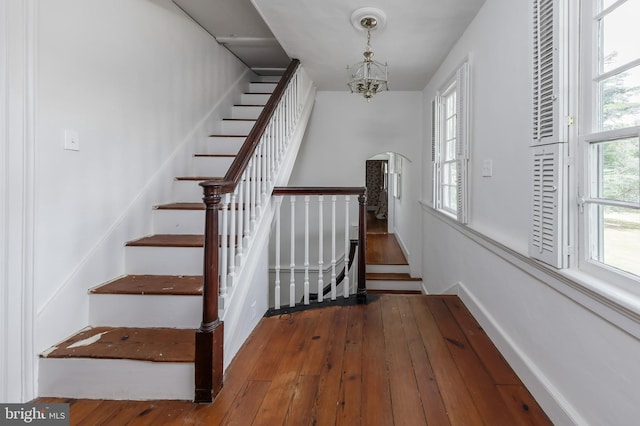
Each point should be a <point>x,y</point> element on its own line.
<point>402,244</point>
<point>4,202</point>
<point>18,200</point>
<point>549,397</point>
<point>605,300</point>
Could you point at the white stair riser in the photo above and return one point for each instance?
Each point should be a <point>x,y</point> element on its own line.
<point>187,191</point>
<point>132,310</point>
<point>254,99</point>
<point>262,87</point>
<point>115,379</point>
<point>388,269</point>
<point>210,166</point>
<point>394,285</point>
<point>251,112</point>
<point>222,145</point>
<point>164,260</point>
<point>232,127</point>
<point>167,221</point>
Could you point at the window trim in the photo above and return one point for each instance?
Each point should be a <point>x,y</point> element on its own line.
<point>458,80</point>
<point>587,76</point>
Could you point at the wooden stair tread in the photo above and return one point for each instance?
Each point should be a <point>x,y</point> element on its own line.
<point>169,240</point>
<point>227,136</point>
<point>249,105</point>
<point>153,284</point>
<point>143,344</point>
<point>391,276</point>
<point>239,119</point>
<point>180,206</point>
<point>198,178</point>
<point>175,240</point>
<point>216,155</point>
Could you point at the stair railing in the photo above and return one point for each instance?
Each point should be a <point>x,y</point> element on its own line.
<point>233,208</point>
<point>313,278</point>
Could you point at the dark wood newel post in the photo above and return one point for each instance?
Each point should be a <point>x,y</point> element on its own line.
<point>361,296</point>
<point>210,336</point>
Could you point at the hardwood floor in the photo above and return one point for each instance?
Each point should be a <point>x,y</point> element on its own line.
<point>383,249</point>
<point>399,360</point>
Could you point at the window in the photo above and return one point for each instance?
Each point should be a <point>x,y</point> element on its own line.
<point>609,145</point>
<point>450,145</point>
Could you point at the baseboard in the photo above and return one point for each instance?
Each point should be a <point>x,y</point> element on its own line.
<point>548,396</point>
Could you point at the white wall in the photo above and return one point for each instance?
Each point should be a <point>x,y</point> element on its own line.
<point>579,366</point>
<point>141,84</point>
<point>345,130</point>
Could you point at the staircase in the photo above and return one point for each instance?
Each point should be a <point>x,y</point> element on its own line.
<point>141,340</point>
<point>387,267</point>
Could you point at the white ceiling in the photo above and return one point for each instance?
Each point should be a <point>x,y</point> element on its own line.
<point>416,38</point>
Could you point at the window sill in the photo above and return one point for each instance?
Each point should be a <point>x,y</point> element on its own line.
<point>618,305</point>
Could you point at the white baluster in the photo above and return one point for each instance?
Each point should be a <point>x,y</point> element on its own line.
<point>224,250</point>
<point>292,265</point>
<point>306,249</point>
<point>264,170</point>
<point>333,247</point>
<point>258,174</point>
<point>247,208</point>
<point>233,211</point>
<point>277,283</point>
<point>345,283</point>
<point>320,248</point>
<point>252,202</point>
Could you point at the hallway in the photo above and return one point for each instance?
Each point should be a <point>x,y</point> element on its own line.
<point>397,360</point>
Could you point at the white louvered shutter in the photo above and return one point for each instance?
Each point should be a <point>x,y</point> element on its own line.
<point>548,238</point>
<point>548,241</point>
<point>462,141</point>
<point>435,164</point>
<point>549,71</point>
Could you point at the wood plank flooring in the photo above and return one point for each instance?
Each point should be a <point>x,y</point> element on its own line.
<point>399,360</point>
<point>383,249</point>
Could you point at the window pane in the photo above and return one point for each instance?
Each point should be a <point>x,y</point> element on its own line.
<point>618,238</point>
<point>617,170</point>
<point>620,33</point>
<point>620,100</point>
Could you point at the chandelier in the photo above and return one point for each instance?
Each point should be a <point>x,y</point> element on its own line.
<point>369,76</point>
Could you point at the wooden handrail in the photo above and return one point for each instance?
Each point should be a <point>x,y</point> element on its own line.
<point>319,190</point>
<point>209,338</point>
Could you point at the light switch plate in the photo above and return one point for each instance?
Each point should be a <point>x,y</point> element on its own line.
<point>487,168</point>
<point>71,140</point>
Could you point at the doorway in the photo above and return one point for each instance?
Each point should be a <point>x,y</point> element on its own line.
<point>376,179</point>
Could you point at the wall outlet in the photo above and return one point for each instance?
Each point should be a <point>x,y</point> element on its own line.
<point>71,140</point>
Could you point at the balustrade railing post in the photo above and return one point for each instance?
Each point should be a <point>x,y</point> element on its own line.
<point>361,296</point>
<point>210,336</point>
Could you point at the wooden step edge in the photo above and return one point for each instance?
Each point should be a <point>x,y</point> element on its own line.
<point>140,344</point>
<point>175,241</point>
<point>198,178</point>
<point>170,285</point>
<point>227,136</point>
<point>168,240</point>
<point>239,119</point>
<point>190,206</point>
<point>216,155</point>
<point>369,291</point>
<point>180,206</point>
<point>249,105</point>
<point>258,93</point>
<point>390,276</point>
